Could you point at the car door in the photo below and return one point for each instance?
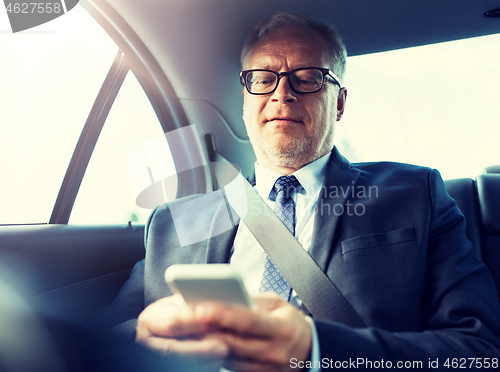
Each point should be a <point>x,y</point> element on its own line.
<point>71,228</point>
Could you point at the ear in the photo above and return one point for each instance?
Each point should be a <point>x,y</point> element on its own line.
<point>341,103</point>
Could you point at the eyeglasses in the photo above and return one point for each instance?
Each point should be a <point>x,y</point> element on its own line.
<point>301,80</point>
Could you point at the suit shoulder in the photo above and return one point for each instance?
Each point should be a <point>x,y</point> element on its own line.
<point>390,166</point>
<point>395,173</point>
<point>211,198</point>
<point>190,207</point>
<point>185,213</point>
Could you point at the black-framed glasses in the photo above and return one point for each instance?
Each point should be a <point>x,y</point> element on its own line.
<point>301,80</point>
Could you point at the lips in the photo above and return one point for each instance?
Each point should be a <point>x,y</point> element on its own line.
<point>285,120</point>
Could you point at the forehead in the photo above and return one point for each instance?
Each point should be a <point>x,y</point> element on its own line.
<point>290,48</point>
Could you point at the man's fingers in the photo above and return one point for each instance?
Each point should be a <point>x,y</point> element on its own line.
<point>272,311</point>
<point>264,341</point>
<point>268,301</point>
<point>214,333</point>
<point>169,317</point>
<point>235,320</point>
<point>168,327</point>
<point>246,348</point>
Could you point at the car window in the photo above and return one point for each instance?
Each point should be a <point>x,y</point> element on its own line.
<point>434,105</point>
<point>107,194</point>
<point>48,84</point>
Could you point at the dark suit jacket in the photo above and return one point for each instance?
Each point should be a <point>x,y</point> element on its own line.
<point>390,238</point>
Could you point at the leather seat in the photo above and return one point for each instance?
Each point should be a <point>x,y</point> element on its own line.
<point>464,191</point>
<point>488,190</point>
<point>479,201</point>
<point>492,169</point>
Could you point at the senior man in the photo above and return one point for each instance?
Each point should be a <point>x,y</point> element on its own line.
<point>402,261</point>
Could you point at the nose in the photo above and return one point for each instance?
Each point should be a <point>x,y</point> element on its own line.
<point>283,92</point>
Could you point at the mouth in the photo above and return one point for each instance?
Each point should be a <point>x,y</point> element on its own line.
<point>284,120</point>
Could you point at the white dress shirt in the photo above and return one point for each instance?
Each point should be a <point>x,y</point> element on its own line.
<point>249,257</point>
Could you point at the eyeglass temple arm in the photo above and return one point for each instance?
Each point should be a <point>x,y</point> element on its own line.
<point>333,76</point>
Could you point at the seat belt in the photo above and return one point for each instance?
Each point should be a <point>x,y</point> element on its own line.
<point>317,292</point>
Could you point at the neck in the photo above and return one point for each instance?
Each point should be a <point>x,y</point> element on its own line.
<point>284,169</point>
<point>285,165</point>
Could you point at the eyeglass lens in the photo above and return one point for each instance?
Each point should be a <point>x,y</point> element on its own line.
<point>304,81</point>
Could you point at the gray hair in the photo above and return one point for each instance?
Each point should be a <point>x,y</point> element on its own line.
<point>294,20</point>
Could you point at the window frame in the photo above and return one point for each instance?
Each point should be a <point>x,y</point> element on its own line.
<point>132,55</point>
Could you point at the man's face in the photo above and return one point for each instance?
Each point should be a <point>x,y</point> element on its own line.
<point>289,130</point>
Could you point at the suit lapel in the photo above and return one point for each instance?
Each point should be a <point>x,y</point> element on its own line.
<point>340,179</point>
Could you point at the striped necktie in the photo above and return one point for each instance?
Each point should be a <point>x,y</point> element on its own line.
<point>284,207</point>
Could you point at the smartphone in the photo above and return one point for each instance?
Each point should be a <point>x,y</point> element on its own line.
<point>208,283</point>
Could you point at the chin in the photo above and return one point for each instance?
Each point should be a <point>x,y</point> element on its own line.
<point>289,154</point>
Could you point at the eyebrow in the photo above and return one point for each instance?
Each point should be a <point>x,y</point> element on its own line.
<point>266,67</point>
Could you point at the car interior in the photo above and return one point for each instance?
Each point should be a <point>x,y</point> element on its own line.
<point>185,56</point>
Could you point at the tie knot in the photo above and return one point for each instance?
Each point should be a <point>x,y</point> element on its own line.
<point>286,184</point>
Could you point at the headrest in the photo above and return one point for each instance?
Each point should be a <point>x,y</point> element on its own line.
<point>492,169</point>
<point>488,189</point>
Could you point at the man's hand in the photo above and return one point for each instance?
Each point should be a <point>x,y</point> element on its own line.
<point>169,326</point>
<point>214,334</point>
<point>262,341</point>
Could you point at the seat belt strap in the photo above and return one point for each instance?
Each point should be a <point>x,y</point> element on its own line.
<point>317,292</point>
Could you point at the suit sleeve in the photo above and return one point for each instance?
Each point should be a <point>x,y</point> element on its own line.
<point>123,312</point>
<point>460,311</point>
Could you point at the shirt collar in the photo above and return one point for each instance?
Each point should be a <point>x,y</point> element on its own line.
<point>311,177</point>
